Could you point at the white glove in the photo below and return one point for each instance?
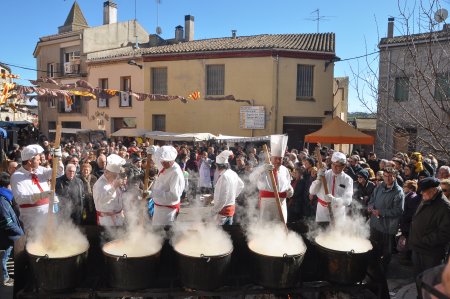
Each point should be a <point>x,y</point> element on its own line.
<point>268,167</point>
<point>55,199</point>
<point>289,192</point>
<point>151,150</point>
<point>57,152</point>
<point>337,201</point>
<point>329,198</point>
<point>321,172</point>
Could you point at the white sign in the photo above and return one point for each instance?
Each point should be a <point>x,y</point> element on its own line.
<point>252,117</point>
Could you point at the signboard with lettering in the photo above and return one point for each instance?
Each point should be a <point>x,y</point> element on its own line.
<point>252,117</point>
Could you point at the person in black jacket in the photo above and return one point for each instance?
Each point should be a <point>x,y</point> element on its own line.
<point>412,201</point>
<point>10,228</point>
<point>430,227</point>
<point>70,191</point>
<point>362,190</point>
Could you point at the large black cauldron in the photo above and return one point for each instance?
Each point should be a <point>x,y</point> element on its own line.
<point>130,273</point>
<point>204,272</point>
<point>344,267</point>
<point>58,274</point>
<point>277,272</point>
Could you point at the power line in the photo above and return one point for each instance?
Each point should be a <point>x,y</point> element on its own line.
<point>356,57</point>
<point>26,68</point>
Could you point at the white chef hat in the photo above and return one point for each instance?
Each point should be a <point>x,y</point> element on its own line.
<point>222,158</point>
<point>278,144</point>
<point>339,157</point>
<point>30,151</point>
<point>114,162</point>
<point>168,153</point>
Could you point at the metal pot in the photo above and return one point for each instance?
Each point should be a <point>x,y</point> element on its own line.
<point>130,273</point>
<point>204,272</point>
<point>344,267</point>
<point>277,271</point>
<point>58,274</point>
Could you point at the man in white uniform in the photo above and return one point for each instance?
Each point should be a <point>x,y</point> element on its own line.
<point>267,200</point>
<point>340,188</point>
<point>30,186</point>
<point>168,186</point>
<point>107,194</point>
<point>228,187</point>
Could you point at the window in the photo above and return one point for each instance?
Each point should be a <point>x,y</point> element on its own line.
<point>215,79</point>
<point>71,124</point>
<point>52,103</point>
<point>103,102</point>
<point>158,122</point>
<point>125,87</point>
<point>159,80</point>
<point>305,81</point>
<point>123,122</point>
<point>401,89</point>
<point>51,70</point>
<point>442,89</point>
<point>74,106</point>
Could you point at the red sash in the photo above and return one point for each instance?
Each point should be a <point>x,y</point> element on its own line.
<point>105,214</point>
<point>270,194</point>
<point>228,210</point>
<point>40,202</point>
<point>323,203</point>
<point>175,207</point>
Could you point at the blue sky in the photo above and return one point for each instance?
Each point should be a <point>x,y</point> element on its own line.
<point>358,24</point>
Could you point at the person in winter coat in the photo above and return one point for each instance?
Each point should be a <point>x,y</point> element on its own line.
<point>412,201</point>
<point>70,191</point>
<point>362,190</point>
<point>10,228</point>
<point>430,228</point>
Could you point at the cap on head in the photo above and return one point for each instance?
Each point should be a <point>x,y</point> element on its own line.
<point>114,163</point>
<point>30,151</point>
<point>364,173</point>
<point>168,153</point>
<point>428,183</point>
<point>339,158</point>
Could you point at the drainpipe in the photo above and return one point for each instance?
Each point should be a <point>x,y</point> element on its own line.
<point>277,94</point>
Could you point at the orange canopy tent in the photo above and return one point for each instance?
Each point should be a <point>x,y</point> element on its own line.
<point>337,131</point>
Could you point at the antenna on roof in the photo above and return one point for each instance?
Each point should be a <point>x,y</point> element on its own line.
<point>158,29</point>
<point>318,18</point>
<point>440,15</point>
<point>136,46</point>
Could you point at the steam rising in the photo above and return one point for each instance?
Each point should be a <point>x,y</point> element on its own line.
<point>346,234</point>
<point>67,240</point>
<point>201,239</point>
<point>272,240</point>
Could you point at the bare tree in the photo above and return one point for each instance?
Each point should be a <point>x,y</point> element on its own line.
<point>411,84</point>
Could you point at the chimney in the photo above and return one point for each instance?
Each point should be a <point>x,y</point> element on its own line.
<point>179,33</point>
<point>109,12</point>
<point>390,32</point>
<point>233,33</point>
<point>189,27</point>
<point>446,27</point>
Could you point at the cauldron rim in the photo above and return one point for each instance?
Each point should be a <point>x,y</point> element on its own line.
<point>285,255</point>
<point>127,257</point>
<point>348,252</point>
<point>204,255</point>
<point>46,256</point>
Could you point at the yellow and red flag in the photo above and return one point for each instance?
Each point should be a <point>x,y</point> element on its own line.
<point>194,96</point>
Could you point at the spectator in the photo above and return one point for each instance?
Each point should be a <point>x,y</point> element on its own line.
<point>100,166</point>
<point>12,167</point>
<point>445,186</point>
<point>88,180</point>
<point>204,180</point>
<point>363,189</point>
<point>70,191</point>
<point>430,228</point>
<point>10,228</point>
<point>443,173</point>
<point>373,162</point>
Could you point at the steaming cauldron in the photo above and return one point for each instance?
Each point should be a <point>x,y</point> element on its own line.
<point>204,272</point>
<point>344,267</point>
<point>58,274</point>
<point>130,273</point>
<point>275,271</point>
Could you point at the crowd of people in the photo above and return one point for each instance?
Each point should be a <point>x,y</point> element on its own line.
<point>405,199</point>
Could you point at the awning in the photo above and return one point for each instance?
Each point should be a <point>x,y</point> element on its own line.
<point>337,131</point>
<point>68,131</point>
<point>228,138</point>
<point>129,132</point>
<point>188,137</point>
